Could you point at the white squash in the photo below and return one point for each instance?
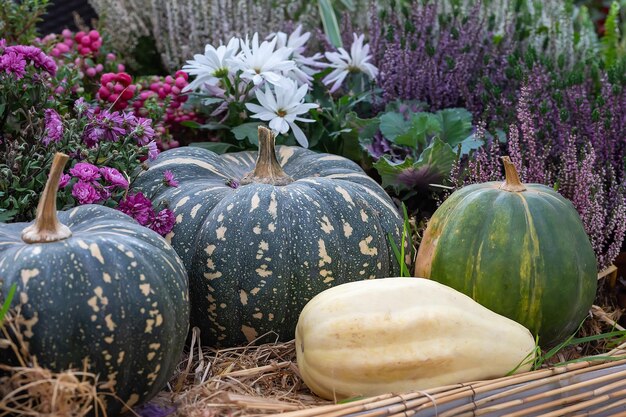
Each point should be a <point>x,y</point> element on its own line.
<point>403,334</point>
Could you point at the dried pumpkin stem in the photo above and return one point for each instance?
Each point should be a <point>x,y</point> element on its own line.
<point>267,169</point>
<point>512,181</point>
<point>47,227</point>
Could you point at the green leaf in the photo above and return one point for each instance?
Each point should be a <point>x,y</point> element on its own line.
<point>7,303</point>
<point>329,21</point>
<point>348,4</point>
<point>7,215</point>
<point>392,125</point>
<point>470,144</point>
<point>247,130</point>
<point>389,170</point>
<point>438,156</point>
<point>456,125</point>
<point>217,147</point>
<point>366,128</point>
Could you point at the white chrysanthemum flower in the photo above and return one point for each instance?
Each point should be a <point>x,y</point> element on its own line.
<point>305,67</point>
<point>283,110</point>
<point>212,66</point>
<point>346,63</point>
<point>262,62</point>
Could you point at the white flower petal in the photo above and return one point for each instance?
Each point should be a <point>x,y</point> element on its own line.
<point>300,136</point>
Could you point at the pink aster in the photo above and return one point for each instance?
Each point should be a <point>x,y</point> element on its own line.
<point>163,222</point>
<point>13,63</point>
<point>142,130</point>
<point>168,178</point>
<point>114,177</point>
<point>153,151</point>
<point>85,193</point>
<point>85,171</point>
<point>139,207</point>
<point>64,180</point>
<point>54,127</point>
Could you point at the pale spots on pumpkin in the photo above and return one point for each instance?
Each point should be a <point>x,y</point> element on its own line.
<point>151,355</point>
<point>106,278</point>
<point>145,289</point>
<point>258,315</point>
<point>210,249</point>
<point>364,216</point>
<point>37,250</point>
<point>347,229</point>
<point>149,326</point>
<point>255,291</point>
<point>109,339</point>
<point>120,357</point>
<point>270,316</point>
<point>243,297</point>
<point>95,252</point>
<point>325,225</point>
<point>27,324</point>
<point>222,305</point>
<point>108,320</point>
<point>271,227</point>
<point>82,244</point>
<point>332,158</point>
<point>379,265</point>
<point>382,201</point>
<point>220,218</point>
<point>181,202</point>
<point>249,332</point>
<point>362,272</point>
<point>285,153</point>
<point>179,219</point>
<point>27,274</point>
<point>169,236</point>
<point>194,210</point>
<point>344,193</point>
<point>273,207</point>
<point>324,258</point>
<point>154,346</point>
<point>132,400</point>
<point>220,232</point>
<point>23,297</point>
<point>97,300</point>
<point>230,207</point>
<point>365,249</point>
<point>212,275</point>
<point>257,229</point>
<point>73,212</point>
<point>263,271</point>
<point>328,279</point>
<point>133,264</point>
<point>210,264</point>
<point>254,202</point>
<point>159,320</point>
<point>94,317</point>
<point>130,254</point>
<point>264,245</point>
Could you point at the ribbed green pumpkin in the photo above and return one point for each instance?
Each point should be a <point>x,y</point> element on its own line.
<point>257,252</point>
<point>97,286</point>
<point>519,250</point>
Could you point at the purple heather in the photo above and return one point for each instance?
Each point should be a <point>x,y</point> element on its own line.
<point>163,222</point>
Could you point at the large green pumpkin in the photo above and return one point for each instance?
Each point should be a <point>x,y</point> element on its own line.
<point>96,286</point>
<point>519,250</point>
<point>258,245</point>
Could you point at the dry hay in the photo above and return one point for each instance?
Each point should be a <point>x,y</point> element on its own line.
<point>26,389</point>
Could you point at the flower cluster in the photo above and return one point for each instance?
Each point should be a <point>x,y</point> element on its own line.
<point>116,89</point>
<point>91,184</point>
<point>271,78</point>
<point>139,207</point>
<point>14,60</point>
<point>88,43</point>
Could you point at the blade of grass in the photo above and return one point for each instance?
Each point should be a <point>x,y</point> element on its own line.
<point>7,303</point>
<point>329,21</point>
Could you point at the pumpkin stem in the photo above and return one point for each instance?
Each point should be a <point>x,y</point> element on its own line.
<point>267,169</point>
<point>47,227</point>
<point>512,181</point>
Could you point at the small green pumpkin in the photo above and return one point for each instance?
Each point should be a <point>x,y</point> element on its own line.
<point>261,240</point>
<point>518,249</point>
<point>93,284</point>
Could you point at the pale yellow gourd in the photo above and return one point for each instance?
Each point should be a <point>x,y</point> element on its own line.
<point>371,337</point>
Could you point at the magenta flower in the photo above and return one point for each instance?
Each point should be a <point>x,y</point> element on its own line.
<point>54,127</point>
<point>168,178</point>
<point>13,63</point>
<point>153,151</point>
<point>36,56</point>
<point>85,193</point>
<point>142,130</point>
<point>92,135</point>
<point>112,125</point>
<point>163,222</point>
<point>114,177</point>
<point>85,172</point>
<point>138,207</point>
<point>64,180</point>
<point>80,106</point>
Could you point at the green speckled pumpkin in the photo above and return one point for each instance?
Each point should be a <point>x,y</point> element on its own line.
<point>258,245</point>
<point>518,249</point>
<point>97,286</point>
